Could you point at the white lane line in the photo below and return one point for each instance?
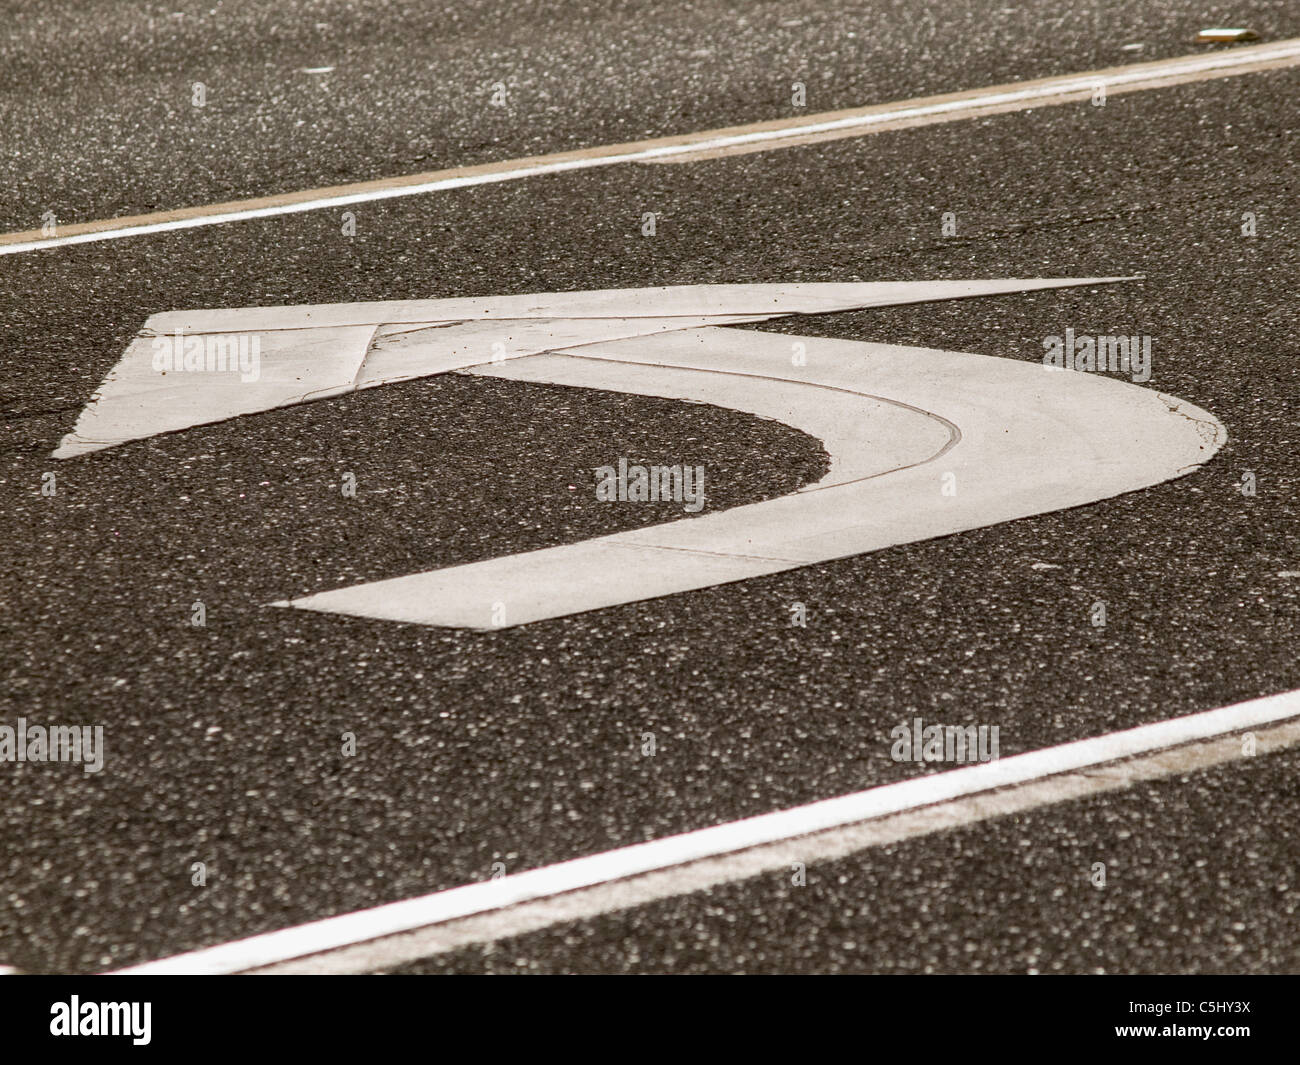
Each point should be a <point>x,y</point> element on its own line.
<point>819,848</point>
<point>1049,92</point>
<point>1011,96</point>
<point>1098,764</point>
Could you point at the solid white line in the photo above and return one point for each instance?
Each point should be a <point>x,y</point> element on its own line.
<point>813,852</point>
<point>350,929</point>
<point>1040,92</point>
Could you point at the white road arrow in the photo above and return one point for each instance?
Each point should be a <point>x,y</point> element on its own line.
<point>923,443</point>
<point>314,352</point>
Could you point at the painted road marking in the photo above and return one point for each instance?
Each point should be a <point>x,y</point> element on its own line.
<point>403,931</point>
<point>316,351</point>
<point>1008,438</point>
<point>758,136</point>
<point>979,103</point>
<point>1015,440</point>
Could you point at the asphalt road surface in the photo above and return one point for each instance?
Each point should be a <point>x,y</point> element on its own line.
<point>483,752</point>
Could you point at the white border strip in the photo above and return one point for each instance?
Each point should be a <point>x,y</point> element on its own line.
<point>347,930</point>
<point>1145,75</point>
